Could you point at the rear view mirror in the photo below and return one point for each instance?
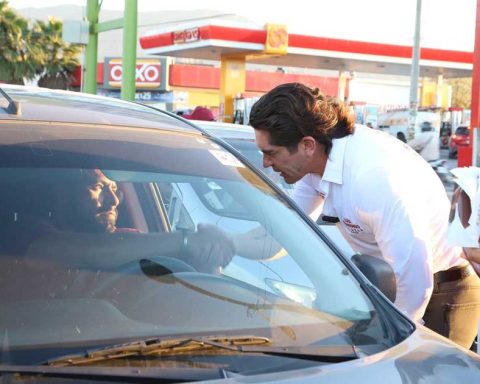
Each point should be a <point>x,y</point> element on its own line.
<point>379,272</point>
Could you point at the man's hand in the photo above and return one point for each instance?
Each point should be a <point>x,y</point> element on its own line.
<point>258,244</point>
<point>473,255</point>
<point>209,249</point>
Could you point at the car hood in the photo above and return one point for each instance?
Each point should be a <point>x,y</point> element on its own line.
<point>423,357</point>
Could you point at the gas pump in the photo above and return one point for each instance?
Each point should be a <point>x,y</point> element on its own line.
<point>456,116</point>
<point>238,110</point>
<point>242,106</point>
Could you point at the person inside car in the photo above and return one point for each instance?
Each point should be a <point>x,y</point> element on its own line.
<point>84,227</point>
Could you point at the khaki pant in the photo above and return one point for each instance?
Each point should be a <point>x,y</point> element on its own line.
<point>454,310</point>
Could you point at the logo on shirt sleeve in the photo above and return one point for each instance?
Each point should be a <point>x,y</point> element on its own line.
<point>351,227</point>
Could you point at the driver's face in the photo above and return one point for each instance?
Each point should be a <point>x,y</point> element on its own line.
<point>98,201</point>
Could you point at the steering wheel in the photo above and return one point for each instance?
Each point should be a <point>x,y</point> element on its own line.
<point>152,267</point>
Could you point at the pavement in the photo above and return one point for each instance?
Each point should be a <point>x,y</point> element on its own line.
<point>451,163</point>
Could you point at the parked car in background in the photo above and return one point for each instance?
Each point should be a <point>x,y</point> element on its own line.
<point>396,122</point>
<point>131,304</point>
<point>460,138</point>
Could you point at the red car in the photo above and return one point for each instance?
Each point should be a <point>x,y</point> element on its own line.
<point>461,138</point>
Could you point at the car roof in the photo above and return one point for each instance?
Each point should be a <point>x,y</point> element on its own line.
<point>227,131</point>
<point>43,104</point>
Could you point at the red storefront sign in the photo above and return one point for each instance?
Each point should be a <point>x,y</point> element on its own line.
<point>200,76</point>
<point>148,73</point>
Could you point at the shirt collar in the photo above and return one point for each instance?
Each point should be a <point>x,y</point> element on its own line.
<point>334,167</point>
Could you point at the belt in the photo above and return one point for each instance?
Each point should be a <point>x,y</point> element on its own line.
<point>452,274</point>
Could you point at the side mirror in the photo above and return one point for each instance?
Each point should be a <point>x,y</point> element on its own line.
<point>379,272</point>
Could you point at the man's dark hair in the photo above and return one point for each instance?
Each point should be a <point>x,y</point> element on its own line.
<point>292,111</point>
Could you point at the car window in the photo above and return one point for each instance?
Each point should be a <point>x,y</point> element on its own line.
<point>217,199</point>
<point>462,131</point>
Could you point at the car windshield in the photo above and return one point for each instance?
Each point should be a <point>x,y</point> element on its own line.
<point>242,138</point>
<point>461,131</point>
<point>96,226</point>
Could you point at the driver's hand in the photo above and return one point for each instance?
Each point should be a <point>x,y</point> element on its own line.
<point>210,248</point>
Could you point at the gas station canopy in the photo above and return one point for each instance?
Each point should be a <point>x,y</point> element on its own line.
<point>214,40</point>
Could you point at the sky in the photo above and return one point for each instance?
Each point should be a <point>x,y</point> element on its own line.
<point>445,24</point>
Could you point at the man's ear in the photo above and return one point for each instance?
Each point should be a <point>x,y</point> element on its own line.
<point>309,144</point>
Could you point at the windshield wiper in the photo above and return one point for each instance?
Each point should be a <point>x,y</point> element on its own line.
<point>239,344</point>
<point>158,347</point>
<point>119,374</point>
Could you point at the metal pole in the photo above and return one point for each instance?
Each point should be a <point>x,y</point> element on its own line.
<point>129,61</point>
<point>414,74</point>
<point>93,10</point>
<point>475,107</point>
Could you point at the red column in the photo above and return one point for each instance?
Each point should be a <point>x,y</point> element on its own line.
<point>463,158</point>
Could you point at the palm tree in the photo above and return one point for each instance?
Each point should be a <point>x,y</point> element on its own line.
<point>461,92</point>
<point>59,59</point>
<point>18,58</point>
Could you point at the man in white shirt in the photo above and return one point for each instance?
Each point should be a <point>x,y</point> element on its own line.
<point>427,142</point>
<point>389,203</point>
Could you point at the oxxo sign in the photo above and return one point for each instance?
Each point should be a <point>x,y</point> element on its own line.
<point>148,73</point>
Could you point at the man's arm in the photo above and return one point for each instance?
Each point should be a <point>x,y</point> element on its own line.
<point>205,249</point>
<point>307,198</point>
<point>473,256</point>
<point>258,244</point>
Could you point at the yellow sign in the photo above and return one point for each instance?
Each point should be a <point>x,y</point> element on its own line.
<point>434,94</point>
<point>277,39</point>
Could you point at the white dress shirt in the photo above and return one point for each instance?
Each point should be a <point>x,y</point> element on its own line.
<point>391,205</point>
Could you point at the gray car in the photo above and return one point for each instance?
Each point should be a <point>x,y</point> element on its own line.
<point>135,247</point>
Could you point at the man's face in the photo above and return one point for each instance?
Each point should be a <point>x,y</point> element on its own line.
<point>98,202</point>
<point>291,165</point>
